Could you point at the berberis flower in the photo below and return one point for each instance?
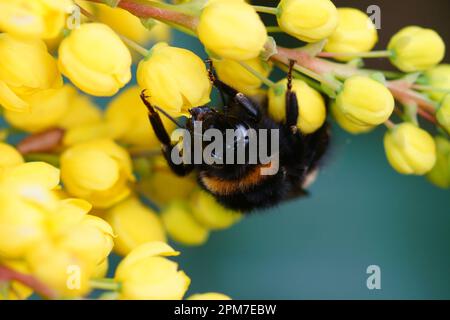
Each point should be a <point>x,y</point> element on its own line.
<point>365,101</point>
<point>308,20</point>
<point>146,273</point>
<point>127,117</point>
<point>355,33</point>
<point>312,111</point>
<point>234,74</point>
<point>175,79</point>
<point>439,78</point>
<point>416,49</point>
<point>25,68</point>
<point>134,224</point>
<point>98,171</point>
<point>232,29</point>
<point>443,113</point>
<point>95,59</point>
<point>409,149</point>
<point>440,174</point>
<point>42,19</point>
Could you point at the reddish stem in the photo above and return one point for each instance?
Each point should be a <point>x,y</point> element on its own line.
<point>142,10</point>
<point>45,141</point>
<point>8,274</point>
<point>402,92</point>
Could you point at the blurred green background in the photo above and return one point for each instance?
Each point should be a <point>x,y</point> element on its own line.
<point>360,213</point>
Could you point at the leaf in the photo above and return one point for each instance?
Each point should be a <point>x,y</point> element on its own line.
<point>270,49</point>
<point>378,76</point>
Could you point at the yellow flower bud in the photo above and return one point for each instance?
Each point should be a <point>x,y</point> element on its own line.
<point>25,68</point>
<point>90,239</point>
<point>145,273</point>
<point>232,30</point>
<point>134,224</point>
<point>22,224</point>
<point>98,171</point>
<point>80,112</point>
<point>355,33</point>
<point>175,78</point>
<point>37,18</point>
<point>308,20</point>
<point>312,110</point>
<point>175,187</point>
<point>88,132</point>
<point>439,77</point>
<point>235,75</point>
<point>95,59</point>
<point>9,156</point>
<point>69,214</point>
<point>209,296</point>
<point>128,119</point>
<point>28,179</point>
<point>347,124</point>
<point>443,113</point>
<point>416,49</point>
<point>210,213</point>
<point>409,149</point>
<point>47,108</point>
<point>60,269</point>
<point>365,102</point>
<point>440,174</point>
<point>182,226</point>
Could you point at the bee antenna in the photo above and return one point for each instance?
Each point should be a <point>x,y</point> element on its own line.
<point>164,113</point>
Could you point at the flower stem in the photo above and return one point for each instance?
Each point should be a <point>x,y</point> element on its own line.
<point>371,54</point>
<point>274,29</point>
<point>389,124</point>
<point>105,284</point>
<point>307,69</point>
<point>7,274</point>
<point>264,9</point>
<point>264,79</point>
<point>429,88</point>
<point>149,10</point>
<point>135,46</point>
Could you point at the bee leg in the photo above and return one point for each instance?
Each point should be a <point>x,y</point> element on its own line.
<point>292,108</point>
<point>163,136</point>
<point>213,78</point>
<point>225,90</point>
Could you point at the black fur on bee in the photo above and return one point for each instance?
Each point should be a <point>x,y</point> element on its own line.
<point>242,186</point>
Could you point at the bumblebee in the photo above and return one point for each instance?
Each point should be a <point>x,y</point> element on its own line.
<point>241,185</point>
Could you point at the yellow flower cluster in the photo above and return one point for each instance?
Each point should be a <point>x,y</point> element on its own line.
<point>52,235</point>
<point>59,222</point>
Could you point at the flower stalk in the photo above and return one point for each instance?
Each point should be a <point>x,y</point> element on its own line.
<point>8,275</point>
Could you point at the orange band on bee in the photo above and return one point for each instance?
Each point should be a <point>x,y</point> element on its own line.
<point>227,187</point>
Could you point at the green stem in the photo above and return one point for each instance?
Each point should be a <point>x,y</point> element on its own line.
<point>265,80</point>
<point>389,124</point>
<point>274,29</point>
<point>371,54</point>
<point>264,9</point>
<point>430,88</point>
<point>135,46</point>
<point>105,284</point>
